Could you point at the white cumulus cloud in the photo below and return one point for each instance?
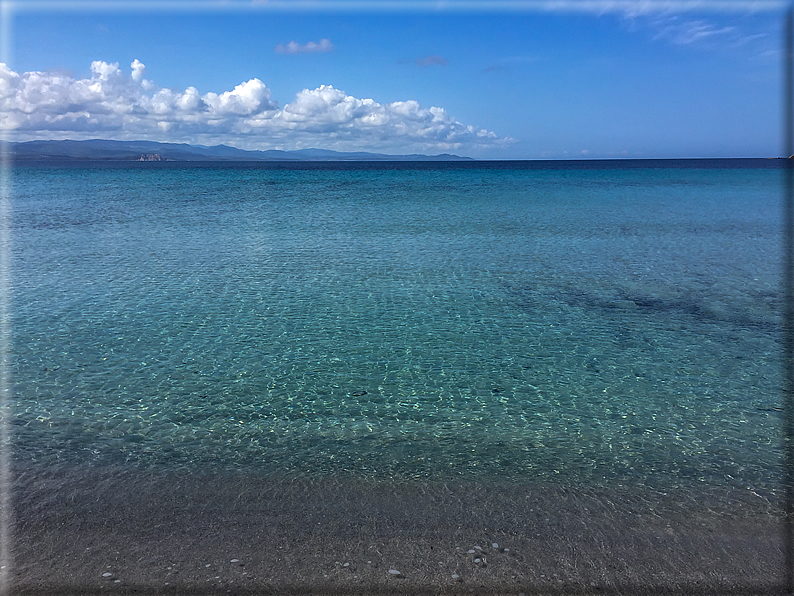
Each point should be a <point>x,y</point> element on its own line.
<point>113,103</point>
<point>293,47</point>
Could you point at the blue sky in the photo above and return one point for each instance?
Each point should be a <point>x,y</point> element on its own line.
<point>505,83</point>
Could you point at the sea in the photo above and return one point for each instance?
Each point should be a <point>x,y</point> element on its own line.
<point>576,323</point>
<point>588,320</point>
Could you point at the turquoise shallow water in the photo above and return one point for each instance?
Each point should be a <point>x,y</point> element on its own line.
<point>587,324</point>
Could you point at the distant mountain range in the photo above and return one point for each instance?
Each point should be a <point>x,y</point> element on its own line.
<point>97,149</point>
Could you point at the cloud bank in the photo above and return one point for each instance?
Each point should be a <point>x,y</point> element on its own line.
<point>112,104</point>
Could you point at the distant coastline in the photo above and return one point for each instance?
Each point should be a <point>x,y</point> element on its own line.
<point>107,153</point>
<point>105,150</point>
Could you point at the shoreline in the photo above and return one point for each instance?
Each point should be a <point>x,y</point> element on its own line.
<point>157,532</point>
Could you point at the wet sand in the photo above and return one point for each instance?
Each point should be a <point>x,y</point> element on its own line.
<point>86,530</point>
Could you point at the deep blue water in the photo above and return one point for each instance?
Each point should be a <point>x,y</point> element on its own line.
<point>595,322</point>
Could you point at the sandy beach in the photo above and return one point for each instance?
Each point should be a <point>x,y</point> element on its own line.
<point>121,530</point>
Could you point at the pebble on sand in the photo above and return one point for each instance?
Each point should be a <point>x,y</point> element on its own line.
<point>107,574</point>
<point>495,545</point>
<point>455,576</point>
<point>394,572</point>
